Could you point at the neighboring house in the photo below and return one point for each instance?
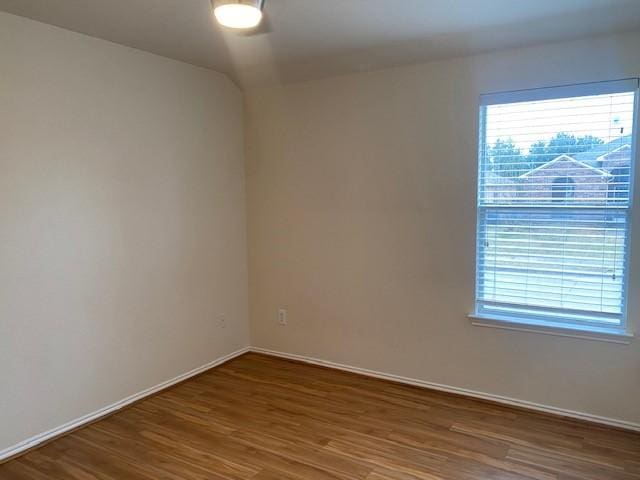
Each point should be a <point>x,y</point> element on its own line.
<point>594,177</point>
<point>593,156</point>
<point>564,179</point>
<point>498,188</point>
<point>614,158</point>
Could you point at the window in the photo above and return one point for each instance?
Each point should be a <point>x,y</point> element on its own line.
<point>554,204</point>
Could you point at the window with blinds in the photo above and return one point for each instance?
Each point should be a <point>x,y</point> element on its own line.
<point>554,202</point>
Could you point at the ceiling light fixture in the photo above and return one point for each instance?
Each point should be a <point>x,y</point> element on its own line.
<point>239,14</point>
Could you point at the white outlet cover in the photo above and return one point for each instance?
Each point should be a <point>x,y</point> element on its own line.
<point>282,316</point>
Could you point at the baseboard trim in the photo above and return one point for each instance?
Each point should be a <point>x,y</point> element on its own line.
<point>587,417</point>
<point>37,440</point>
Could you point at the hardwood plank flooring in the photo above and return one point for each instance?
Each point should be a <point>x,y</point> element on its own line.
<point>263,418</point>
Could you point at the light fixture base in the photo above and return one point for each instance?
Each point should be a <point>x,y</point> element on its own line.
<point>238,14</point>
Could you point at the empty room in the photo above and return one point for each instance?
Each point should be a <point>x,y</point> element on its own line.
<point>319,239</point>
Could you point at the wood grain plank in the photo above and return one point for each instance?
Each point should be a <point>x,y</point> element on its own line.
<point>264,418</point>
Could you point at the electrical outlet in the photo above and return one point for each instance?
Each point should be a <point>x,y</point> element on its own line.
<point>282,316</point>
<point>222,319</point>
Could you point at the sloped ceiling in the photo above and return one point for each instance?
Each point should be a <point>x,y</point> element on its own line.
<point>318,38</point>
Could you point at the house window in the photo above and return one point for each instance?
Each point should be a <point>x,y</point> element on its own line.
<point>554,204</point>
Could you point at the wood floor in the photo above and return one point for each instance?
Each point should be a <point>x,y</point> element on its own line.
<point>263,418</point>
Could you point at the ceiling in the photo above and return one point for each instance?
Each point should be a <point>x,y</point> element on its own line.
<point>318,38</point>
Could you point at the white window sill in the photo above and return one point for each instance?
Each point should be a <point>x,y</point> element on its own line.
<point>611,335</point>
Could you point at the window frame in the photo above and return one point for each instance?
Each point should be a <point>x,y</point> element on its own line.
<point>545,323</point>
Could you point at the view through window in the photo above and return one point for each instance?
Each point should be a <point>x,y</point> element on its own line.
<point>554,201</point>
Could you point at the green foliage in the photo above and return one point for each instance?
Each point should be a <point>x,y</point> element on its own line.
<point>562,143</point>
<point>507,159</point>
<point>538,154</point>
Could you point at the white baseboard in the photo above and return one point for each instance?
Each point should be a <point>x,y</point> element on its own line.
<point>91,417</point>
<point>612,422</point>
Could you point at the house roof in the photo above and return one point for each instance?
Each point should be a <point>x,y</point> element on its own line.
<point>604,157</point>
<point>565,157</point>
<point>591,157</point>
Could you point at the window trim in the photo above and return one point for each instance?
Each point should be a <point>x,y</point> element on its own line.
<point>560,91</point>
<point>611,335</point>
<point>617,333</point>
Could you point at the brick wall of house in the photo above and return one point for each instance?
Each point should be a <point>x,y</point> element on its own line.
<point>584,184</point>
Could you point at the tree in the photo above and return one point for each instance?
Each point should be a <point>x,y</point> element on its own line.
<point>538,154</point>
<point>506,159</point>
<point>562,143</point>
<point>587,142</point>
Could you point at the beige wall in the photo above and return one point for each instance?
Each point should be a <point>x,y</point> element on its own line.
<point>362,224</point>
<point>122,226</point>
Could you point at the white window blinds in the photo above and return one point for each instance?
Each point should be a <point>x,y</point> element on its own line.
<point>554,201</point>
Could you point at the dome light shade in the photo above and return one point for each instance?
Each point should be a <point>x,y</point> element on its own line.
<point>240,14</point>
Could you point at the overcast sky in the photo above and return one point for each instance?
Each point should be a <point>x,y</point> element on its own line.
<point>601,115</point>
